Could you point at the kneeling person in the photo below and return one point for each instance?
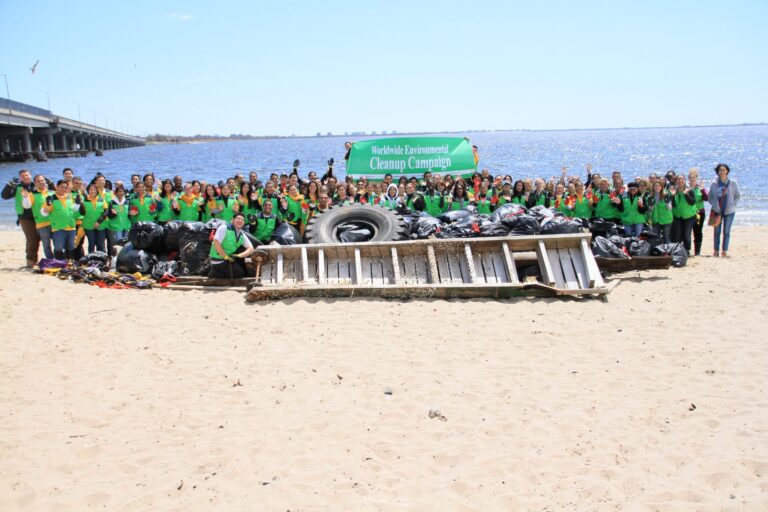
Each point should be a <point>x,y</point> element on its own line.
<point>230,248</point>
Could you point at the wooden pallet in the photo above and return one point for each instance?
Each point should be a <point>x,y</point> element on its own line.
<point>476,267</point>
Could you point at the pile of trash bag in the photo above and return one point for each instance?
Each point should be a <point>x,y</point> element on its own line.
<point>131,260</point>
<point>676,250</point>
<point>147,236</point>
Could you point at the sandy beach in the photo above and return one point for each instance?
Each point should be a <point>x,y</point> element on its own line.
<point>169,400</point>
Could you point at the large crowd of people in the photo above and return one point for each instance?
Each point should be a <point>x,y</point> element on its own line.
<point>62,216</point>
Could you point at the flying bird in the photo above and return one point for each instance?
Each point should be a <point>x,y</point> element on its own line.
<point>34,66</point>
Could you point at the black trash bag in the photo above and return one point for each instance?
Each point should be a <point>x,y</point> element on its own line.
<point>162,268</point>
<point>677,251</point>
<point>172,234</point>
<point>454,216</point>
<point>132,260</point>
<point>507,209</point>
<point>424,226</point>
<point>541,213</point>
<point>560,226</point>
<point>525,225</point>
<point>146,235</point>
<point>95,259</point>
<point>602,227</point>
<point>194,252</point>
<point>459,230</point>
<point>285,234</point>
<point>617,240</point>
<point>354,232</point>
<point>638,247</point>
<point>605,248</point>
<point>491,228</point>
<point>411,219</point>
<point>652,238</point>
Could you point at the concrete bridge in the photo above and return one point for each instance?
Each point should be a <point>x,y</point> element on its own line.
<point>26,131</point>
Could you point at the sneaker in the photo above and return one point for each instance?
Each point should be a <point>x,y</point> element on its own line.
<point>31,264</point>
<point>716,254</point>
<point>725,254</point>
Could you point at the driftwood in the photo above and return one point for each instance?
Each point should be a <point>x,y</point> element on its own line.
<point>634,263</point>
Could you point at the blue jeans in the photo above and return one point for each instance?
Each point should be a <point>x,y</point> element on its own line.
<point>725,227</point>
<point>63,242</point>
<point>45,240</point>
<point>665,230</point>
<point>113,237</point>
<point>633,229</point>
<point>96,239</point>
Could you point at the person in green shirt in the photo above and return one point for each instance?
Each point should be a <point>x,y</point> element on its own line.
<point>632,208</point>
<point>518,193</point>
<point>25,219</point>
<point>660,206</point>
<point>579,203</point>
<point>187,205</point>
<point>229,249</point>
<point>210,206</point>
<point>539,195</point>
<point>683,212</point>
<point>142,206</point>
<point>118,222</point>
<point>459,198</point>
<point>165,200</point>
<point>604,206</point>
<point>263,224</point>
<point>63,210</point>
<point>34,201</point>
<point>96,211</point>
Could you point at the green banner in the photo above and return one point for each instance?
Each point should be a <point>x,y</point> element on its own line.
<point>411,157</point>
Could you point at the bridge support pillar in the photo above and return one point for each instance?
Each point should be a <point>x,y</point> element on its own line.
<point>6,145</point>
<point>26,140</point>
<point>51,146</point>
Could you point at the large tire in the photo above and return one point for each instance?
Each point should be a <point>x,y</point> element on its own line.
<point>385,223</point>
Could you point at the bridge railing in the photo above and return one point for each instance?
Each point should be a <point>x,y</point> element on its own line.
<point>5,104</point>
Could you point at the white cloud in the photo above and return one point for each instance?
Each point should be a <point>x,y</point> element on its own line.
<point>181,17</point>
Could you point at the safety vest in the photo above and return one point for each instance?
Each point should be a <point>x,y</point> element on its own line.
<point>93,210</point>
<point>483,205</point>
<point>699,199</point>
<point>631,214</point>
<point>188,208</point>
<point>681,209</point>
<point>231,243</point>
<point>265,226</point>
<point>120,222</point>
<point>293,215</point>
<point>146,209</point>
<point>37,200</point>
<point>63,215</point>
<point>432,204</point>
<point>228,209</point>
<point>165,212</point>
<point>582,209</point>
<point>605,209</point>
<point>661,213</point>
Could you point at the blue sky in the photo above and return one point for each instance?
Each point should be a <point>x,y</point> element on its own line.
<point>302,67</point>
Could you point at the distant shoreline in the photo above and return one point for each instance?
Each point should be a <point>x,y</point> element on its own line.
<point>181,139</point>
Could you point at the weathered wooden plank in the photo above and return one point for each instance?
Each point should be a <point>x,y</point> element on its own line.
<point>377,268</point>
<point>578,266</point>
<point>470,263</point>
<point>443,269</point>
<point>568,274</point>
<point>491,274</point>
<point>408,269</point>
<point>359,279</point>
<point>304,265</point>
<point>434,273</point>
<point>421,269</point>
<point>499,267</point>
<point>509,261</point>
<point>593,273</point>
<point>279,277</point>
<point>345,269</point>
<point>557,270</point>
<point>321,270</point>
<point>546,269</point>
<point>397,278</point>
